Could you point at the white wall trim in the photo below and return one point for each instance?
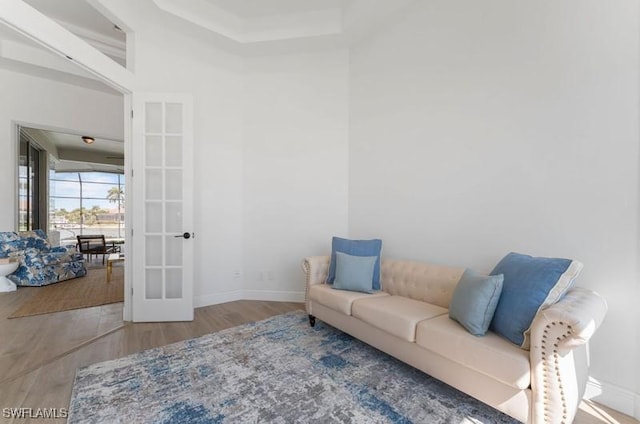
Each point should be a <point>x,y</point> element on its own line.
<point>216,298</point>
<point>230,296</point>
<point>127,310</point>
<point>618,398</point>
<point>274,295</point>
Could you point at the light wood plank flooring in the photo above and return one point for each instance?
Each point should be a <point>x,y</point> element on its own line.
<point>39,355</point>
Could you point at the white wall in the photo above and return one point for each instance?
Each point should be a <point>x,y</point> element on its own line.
<point>295,165</point>
<point>45,103</point>
<point>461,131</point>
<point>270,152</point>
<point>479,128</point>
<point>169,57</point>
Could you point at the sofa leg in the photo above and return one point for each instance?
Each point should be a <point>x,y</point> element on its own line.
<point>312,320</point>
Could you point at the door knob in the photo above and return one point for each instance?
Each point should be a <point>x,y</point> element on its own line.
<point>185,235</point>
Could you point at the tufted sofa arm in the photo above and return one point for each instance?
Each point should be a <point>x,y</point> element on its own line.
<point>315,270</point>
<point>557,376</point>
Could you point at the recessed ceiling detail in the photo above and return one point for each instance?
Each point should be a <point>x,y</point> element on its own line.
<point>69,151</point>
<point>257,8</point>
<point>83,20</point>
<point>251,21</point>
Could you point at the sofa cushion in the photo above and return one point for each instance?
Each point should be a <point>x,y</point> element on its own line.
<point>420,281</point>
<point>491,355</point>
<point>354,272</point>
<point>530,284</point>
<point>396,315</point>
<point>7,243</point>
<point>474,301</point>
<point>356,248</point>
<point>12,244</point>
<point>338,300</point>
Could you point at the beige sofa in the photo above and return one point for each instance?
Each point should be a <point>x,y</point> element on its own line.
<point>409,320</point>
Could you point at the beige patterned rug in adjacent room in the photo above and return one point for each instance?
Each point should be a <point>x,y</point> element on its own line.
<point>83,292</point>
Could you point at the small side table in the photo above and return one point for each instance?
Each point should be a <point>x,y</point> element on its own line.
<point>114,257</point>
<point>6,269</point>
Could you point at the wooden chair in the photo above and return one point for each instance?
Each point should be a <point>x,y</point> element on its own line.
<point>96,245</point>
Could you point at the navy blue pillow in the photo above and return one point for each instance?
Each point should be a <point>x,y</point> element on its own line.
<point>356,248</point>
<point>529,285</point>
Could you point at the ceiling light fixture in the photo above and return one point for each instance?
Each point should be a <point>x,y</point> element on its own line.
<point>88,140</point>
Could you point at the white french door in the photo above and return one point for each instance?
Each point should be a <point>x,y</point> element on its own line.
<point>162,183</point>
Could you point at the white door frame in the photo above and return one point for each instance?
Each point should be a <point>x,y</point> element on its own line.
<point>27,21</point>
<point>127,310</point>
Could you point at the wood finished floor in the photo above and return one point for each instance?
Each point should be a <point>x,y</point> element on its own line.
<point>39,355</point>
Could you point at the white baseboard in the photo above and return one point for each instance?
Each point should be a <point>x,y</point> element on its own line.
<point>230,296</point>
<point>216,298</point>
<point>274,296</point>
<point>614,397</point>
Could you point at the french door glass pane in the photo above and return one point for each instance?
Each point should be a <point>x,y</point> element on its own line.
<point>174,184</point>
<point>174,217</point>
<point>153,150</point>
<point>153,118</point>
<point>153,284</point>
<point>173,283</point>
<point>154,184</point>
<point>173,118</point>
<point>174,251</point>
<point>153,247</point>
<point>154,217</point>
<point>173,152</point>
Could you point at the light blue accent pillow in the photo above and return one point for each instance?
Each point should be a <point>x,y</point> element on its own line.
<point>530,284</point>
<point>474,301</point>
<point>354,273</point>
<point>356,248</point>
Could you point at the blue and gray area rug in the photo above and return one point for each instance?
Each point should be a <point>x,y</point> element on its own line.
<point>275,371</point>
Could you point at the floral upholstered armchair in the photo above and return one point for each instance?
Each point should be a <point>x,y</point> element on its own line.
<point>40,264</point>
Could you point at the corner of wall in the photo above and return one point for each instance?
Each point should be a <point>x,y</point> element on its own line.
<point>614,397</point>
<point>232,296</point>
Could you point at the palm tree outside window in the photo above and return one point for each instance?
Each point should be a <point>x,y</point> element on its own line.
<point>82,203</point>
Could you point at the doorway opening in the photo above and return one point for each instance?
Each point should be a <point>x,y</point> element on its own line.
<point>32,169</point>
<point>69,188</point>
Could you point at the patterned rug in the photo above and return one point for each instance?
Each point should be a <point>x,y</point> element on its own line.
<point>275,371</point>
<point>84,292</point>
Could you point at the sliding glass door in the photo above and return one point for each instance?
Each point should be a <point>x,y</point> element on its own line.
<point>32,208</point>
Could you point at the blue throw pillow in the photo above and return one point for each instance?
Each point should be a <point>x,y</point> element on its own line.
<point>474,301</point>
<point>354,273</point>
<point>530,284</point>
<point>356,248</point>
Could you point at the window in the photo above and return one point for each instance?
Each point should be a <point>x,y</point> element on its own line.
<point>31,214</point>
<point>86,203</point>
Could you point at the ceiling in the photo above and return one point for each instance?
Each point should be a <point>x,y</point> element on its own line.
<point>23,55</point>
<point>82,19</point>
<point>256,8</point>
<point>246,24</point>
<point>71,153</point>
<point>79,13</point>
